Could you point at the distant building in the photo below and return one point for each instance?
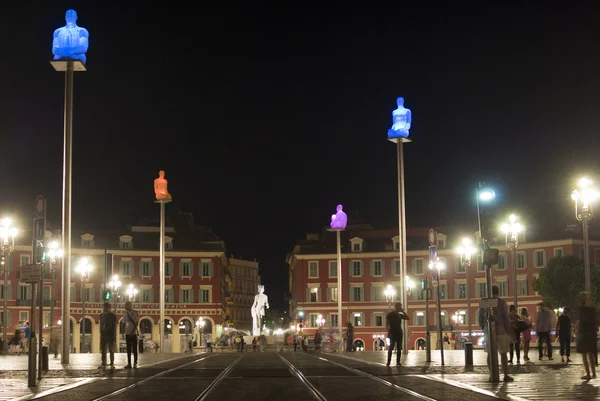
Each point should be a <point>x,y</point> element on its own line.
<point>370,262</point>
<point>245,280</point>
<point>195,269</point>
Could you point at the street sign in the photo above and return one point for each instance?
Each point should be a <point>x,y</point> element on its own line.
<point>488,303</point>
<point>39,228</point>
<point>31,273</point>
<point>433,253</point>
<point>40,206</point>
<point>435,283</point>
<point>432,236</point>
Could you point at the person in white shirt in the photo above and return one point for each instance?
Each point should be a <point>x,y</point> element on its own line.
<point>131,319</point>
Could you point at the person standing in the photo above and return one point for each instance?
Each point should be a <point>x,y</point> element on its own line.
<point>394,325</point>
<point>543,325</point>
<point>526,333</point>
<point>131,320</point>
<point>516,325</point>
<point>108,335</point>
<point>563,331</point>
<point>586,334</point>
<point>350,338</point>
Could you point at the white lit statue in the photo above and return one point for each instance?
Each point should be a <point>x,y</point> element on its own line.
<point>259,307</point>
<point>401,120</point>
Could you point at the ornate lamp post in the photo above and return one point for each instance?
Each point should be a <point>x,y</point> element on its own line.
<point>511,231</point>
<point>114,285</point>
<point>7,245</point>
<point>85,269</point>
<point>584,214</point>
<point>54,253</point>
<point>200,324</point>
<point>390,293</point>
<point>409,286</point>
<point>436,268</point>
<point>131,292</point>
<point>465,251</point>
<point>320,321</point>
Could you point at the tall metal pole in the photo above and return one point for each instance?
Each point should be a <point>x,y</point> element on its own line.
<point>52,297</point>
<point>514,268</point>
<point>5,262</point>
<point>66,218</point>
<point>427,333</point>
<point>586,249</point>
<point>161,326</point>
<point>468,266</point>
<point>83,294</point>
<point>31,379</point>
<point>439,313</point>
<point>41,321</point>
<point>402,232</point>
<point>339,285</point>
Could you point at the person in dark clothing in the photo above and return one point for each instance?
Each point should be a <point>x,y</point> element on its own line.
<point>108,335</point>
<point>586,334</point>
<point>394,325</point>
<point>563,330</point>
<point>350,338</point>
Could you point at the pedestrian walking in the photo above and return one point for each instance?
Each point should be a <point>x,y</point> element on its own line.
<point>318,340</point>
<point>350,338</point>
<point>543,325</point>
<point>563,331</point>
<point>394,325</point>
<point>586,334</point>
<point>131,319</point>
<point>108,335</point>
<point>526,333</point>
<point>254,343</point>
<point>502,325</point>
<point>517,324</point>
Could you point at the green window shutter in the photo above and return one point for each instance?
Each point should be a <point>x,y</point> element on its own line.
<point>329,294</point>
<point>383,267</point>
<point>9,319</point>
<point>180,268</point>
<point>121,268</point>
<point>192,268</point>
<point>200,296</point>
<point>151,295</point>
<point>362,268</point>
<point>308,295</point>
<point>9,294</point>
<point>372,319</point>
<point>372,268</point>
<point>414,266</point>
<point>9,261</point>
<point>350,268</point>
<point>362,293</point>
<point>373,294</point>
<point>211,268</point>
<point>180,300</point>
<point>29,292</point>
<point>151,268</point>
<point>73,291</point>
<point>132,268</point>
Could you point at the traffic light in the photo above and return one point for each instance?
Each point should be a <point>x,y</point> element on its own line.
<point>107,295</point>
<point>40,254</point>
<point>491,256</point>
<point>424,284</point>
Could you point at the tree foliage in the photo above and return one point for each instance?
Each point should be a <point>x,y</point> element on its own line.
<point>563,279</point>
<point>272,319</point>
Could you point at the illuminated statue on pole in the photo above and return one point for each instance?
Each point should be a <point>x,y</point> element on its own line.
<point>160,187</point>
<point>259,307</point>
<point>401,118</point>
<point>71,41</point>
<point>339,220</point>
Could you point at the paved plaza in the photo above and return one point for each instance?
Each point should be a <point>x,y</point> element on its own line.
<point>294,375</point>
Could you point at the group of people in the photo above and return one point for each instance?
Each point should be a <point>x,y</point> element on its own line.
<point>19,342</point>
<point>510,326</point>
<point>108,334</point>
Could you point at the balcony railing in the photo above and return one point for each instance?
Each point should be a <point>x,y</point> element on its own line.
<point>27,302</point>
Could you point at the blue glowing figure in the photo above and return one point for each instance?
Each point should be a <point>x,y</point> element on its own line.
<point>401,121</point>
<point>71,41</point>
<point>339,220</point>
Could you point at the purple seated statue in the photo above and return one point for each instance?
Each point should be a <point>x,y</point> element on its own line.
<point>339,220</point>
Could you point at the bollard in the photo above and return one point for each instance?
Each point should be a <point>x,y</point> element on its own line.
<point>45,352</point>
<point>468,354</point>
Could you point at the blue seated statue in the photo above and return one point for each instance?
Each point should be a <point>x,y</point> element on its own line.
<point>70,42</point>
<point>401,121</point>
<point>339,220</point>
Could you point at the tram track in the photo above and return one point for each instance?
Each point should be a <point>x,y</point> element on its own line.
<point>206,392</point>
<point>296,372</point>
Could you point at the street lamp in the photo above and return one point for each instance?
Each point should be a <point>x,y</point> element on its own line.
<point>7,245</point>
<point>511,232</point>
<point>486,195</point>
<point>200,324</point>
<point>465,251</point>
<point>320,321</point>
<point>436,269</point>
<point>85,269</point>
<point>131,292</point>
<point>390,293</point>
<point>458,318</point>
<point>587,195</point>
<point>114,285</point>
<point>409,286</point>
<point>54,253</point>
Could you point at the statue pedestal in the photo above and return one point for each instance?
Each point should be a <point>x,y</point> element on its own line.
<point>403,140</point>
<point>61,65</point>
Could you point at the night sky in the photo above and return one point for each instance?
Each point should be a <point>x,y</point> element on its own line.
<point>264,117</point>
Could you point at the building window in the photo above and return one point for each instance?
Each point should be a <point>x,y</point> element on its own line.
<point>23,293</point>
<point>396,245</point>
<point>396,267</point>
<point>313,294</point>
<point>126,245</point>
<point>357,268</point>
<point>145,268</point>
<point>333,320</point>
<point>23,316</point>
<point>87,294</point>
<point>443,291</point>
<point>503,287</point>
<point>24,260</point>
<point>126,269</point>
<point>462,291</point>
<point>332,268</point>
<point>377,293</point>
<point>185,296</point>
<point>356,247</point>
<point>501,262</point>
<point>417,293</point>
<point>357,319</point>
<point>378,320</point>
<point>521,260</point>
<point>312,319</point>
<point>169,245</point>
<point>86,244</point>
<point>186,269</point>
<point>204,296</point>
<point>169,296</point>
<point>168,269</point>
<point>419,319</point>
<point>461,267</point>
<point>205,269</point>
<point>333,294</point>
<point>482,288</point>
<point>146,296</point>
<point>313,269</point>
<point>377,268</point>
<point>356,293</point>
<point>46,293</point>
<point>522,288</point>
<point>558,252</point>
<point>539,258</point>
<point>480,266</point>
<point>418,266</point>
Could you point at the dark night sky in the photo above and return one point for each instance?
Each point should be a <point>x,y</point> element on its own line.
<point>266,117</point>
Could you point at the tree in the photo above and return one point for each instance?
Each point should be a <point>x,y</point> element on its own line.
<point>272,319</point>
<point>563,279</point>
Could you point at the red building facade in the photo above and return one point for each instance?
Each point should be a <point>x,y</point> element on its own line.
<point>194,267</point>
<point>370,262</point>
